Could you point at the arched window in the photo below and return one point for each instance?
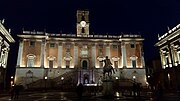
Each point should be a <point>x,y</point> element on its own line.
<point>30,60</point>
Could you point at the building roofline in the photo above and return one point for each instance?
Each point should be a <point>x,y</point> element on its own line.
<point>6,33</point>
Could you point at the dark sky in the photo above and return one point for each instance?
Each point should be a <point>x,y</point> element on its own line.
<point>147,17</point>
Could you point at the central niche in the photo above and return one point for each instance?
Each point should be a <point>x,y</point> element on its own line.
<point>84,51</point>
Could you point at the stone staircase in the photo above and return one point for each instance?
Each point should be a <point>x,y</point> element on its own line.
<point>69,78</point>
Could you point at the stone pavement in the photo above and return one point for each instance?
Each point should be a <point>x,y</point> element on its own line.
<point>71,96</point>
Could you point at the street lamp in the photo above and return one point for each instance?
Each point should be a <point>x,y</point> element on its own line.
<point>12,81</point>
<point>45,78</point>
<point>62,78</point>
<point>134,78</point>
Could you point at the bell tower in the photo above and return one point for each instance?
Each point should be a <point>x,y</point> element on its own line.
<point>82,24</point>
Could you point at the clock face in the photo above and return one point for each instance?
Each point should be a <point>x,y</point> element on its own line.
<point>83,23</point>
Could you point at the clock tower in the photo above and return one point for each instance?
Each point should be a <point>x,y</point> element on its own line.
<point>82,23</point>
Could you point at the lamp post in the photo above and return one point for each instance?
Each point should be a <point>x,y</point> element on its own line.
<point>12,81</point>
<point>134,79</point>
<point>62,78</point>
<point>45,79</point>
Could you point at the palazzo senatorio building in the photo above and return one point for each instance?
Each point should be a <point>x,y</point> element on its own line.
<point>75,58</point>
<point>169,49</point>
<point>5,40</point>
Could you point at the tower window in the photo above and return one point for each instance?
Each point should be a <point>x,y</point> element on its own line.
<point>32,43</point>
<point>83,30</point>
<point>132,45</point>
<point>83,18</point>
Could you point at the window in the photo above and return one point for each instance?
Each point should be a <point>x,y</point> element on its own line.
<point>100,52</point>
<point>52,45</point>
<point>51,60</point>
<point>132,45</point>
<point>116,64</point>
<point>100,64</point>
<point>134,63</point>
<point>50,63</point>
<point>84,51</point>
<point>115,46</point>
<point>30,62</point>
<point>67,64</point>
<point>32,43</point>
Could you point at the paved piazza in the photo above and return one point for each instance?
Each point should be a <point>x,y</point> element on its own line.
<point>70,96</point>
<point>58,96</point>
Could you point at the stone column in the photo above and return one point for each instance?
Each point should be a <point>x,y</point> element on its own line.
<point>20,52</point>
<point>170,56</point>
<point>6,56</point>
<point>1,43</point>
<point>108,51</point>
<point>42,53</point>
<point>93,55</point>
<point>75,55</point>
<point>162,60</point>
<point>59,55</point>
<point>123,50</point>
<point>175,56</point>
<point>142,56</point>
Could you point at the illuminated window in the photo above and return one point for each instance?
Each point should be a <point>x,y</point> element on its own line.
<point>84,51</point>
<point>100,52</point>
<point>31,60</point>
<point>52,45</point>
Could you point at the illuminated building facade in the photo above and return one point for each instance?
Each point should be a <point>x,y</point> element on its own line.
<point>75,58</point>
<point>169,49</point>
<point>5,40</point>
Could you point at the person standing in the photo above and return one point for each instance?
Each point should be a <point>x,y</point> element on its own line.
<point>80,90</point>
<point>16,90</point>
<point>12,92</point>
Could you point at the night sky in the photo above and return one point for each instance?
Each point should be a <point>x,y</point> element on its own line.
<point>146,17</point>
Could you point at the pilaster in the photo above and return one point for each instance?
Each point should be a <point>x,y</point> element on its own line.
<point>42,53</point>
<point>93,55</point>
<point>75,55</point>
<point>124,57</point>
<point>20,52</point>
